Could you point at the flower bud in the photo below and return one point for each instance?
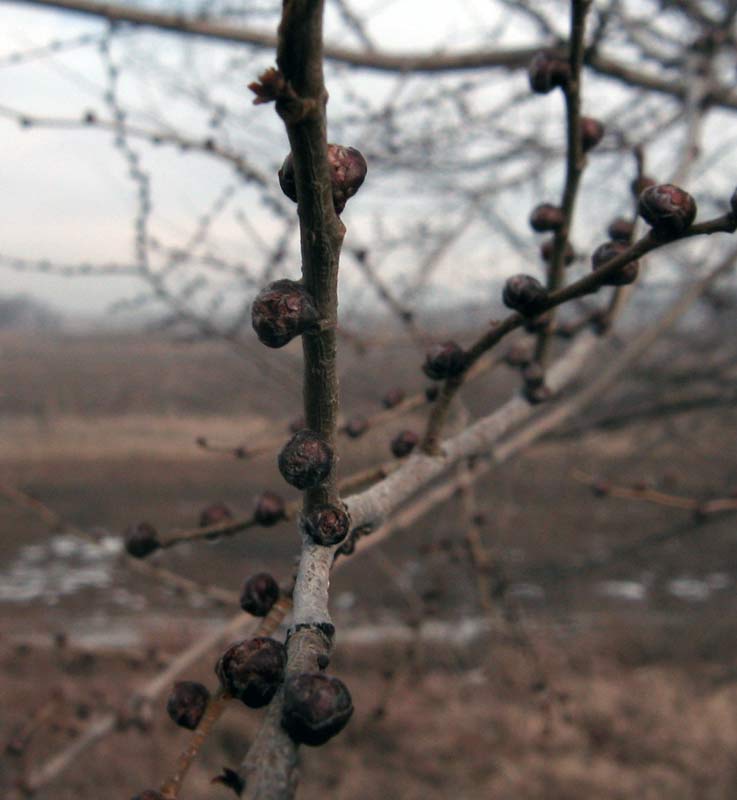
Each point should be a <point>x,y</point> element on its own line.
<point>547,71</point>
<point>215,514</point>
<point>259,594</point>
<point>525,294</point>
<point>592,132</point>
<point>347,172</point>
<point>404,443</point>
<point>546,217</point>
<point>316,707</point>
<point>668,209</point>
<point>253,670</point>
<point>306,460</point>
<point>281,311</point>
<point>187,703</point>
<point>621,230</point>
<point>444,361</point>
<point>269,509</point>
<point>141,540</point>
<point>604,253</point>
<point>327,525</point>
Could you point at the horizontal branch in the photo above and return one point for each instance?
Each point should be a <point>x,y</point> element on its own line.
<point>516,58</point>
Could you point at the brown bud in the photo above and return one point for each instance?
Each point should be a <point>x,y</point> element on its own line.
<point>444,361</point>
<point>592,132</point>
<point>347,172</point>
<point>306,460</point>
<point>259,594</point>
<point>525,294</point>
<point>404,443</point>
<point>546,252</point>
<point>547,71</point>
<point>141,540</point>
<point>269,509</point>
<point>668,209</point>
<point>252,670</point>
<point>356,426</point>
<point>316,707</point>
<point>327,524</point>
<point>621,230</point>
<point>392,398</point>
<point>546,217</point>
<point>604,253</point>
<point>639,185</point>
<point>215,514</point>
<point>187,703</point>
<point>281,311</point>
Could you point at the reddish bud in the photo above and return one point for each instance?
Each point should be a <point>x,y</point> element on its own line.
<point>546,252</point>
<point>547,71</point>
<point>404,443</point>
<point>667,208</point>
<point>187,703</point>
<point>141,540</point>
<point>259,594</point>
<point>525,294</point>
<point>604,253</point>
<point>281,311</point>
<point>327,525</point>
<point>444,361</point>
<point>347,172</point>
<point>392,398</point>
<point>214,515</point>
<point>269,509</point>
<point>316,707</point>
<point>356,426</point>
<point>621,230</point>
<point>592,132</point>
<point>253,670</point>
<point>546,217</point>
<point>306,460</point>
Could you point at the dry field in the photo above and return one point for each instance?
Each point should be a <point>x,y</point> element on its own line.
<point>606,669</point>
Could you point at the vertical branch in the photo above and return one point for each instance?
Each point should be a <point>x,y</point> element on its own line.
<point>575,163</point>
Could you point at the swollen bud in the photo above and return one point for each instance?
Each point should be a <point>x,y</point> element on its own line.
<point>444,361</point>
<point>546,217</point>
<point>548,71</point>
<point>327,524</point>
<point>404,443</point>
<point>281,311</point>
<point>316,707</point>
<point>259,594</point>
<point>668,209</point>
<point>356,426</point>
<point>252,670</point>
<point>215,514</point>
<point>525,294</point>
<point>592,132</point>
<point>306,460</point>
<point>347,172</point>
<point>269,509</point>
<point>392,398</point>
<point>604,253</point>
<point>187,703</point>
<point>546,252</point>
<point>141,540</point>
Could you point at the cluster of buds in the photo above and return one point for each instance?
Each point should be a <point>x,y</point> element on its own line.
<point>252,670</point>
<point>347,172</point>
<point>668,209</point>
<point>306,460</point>
<point>259,593</point>
<point>316,707</point>
<point>281,311</point>
<point>327,524</point>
